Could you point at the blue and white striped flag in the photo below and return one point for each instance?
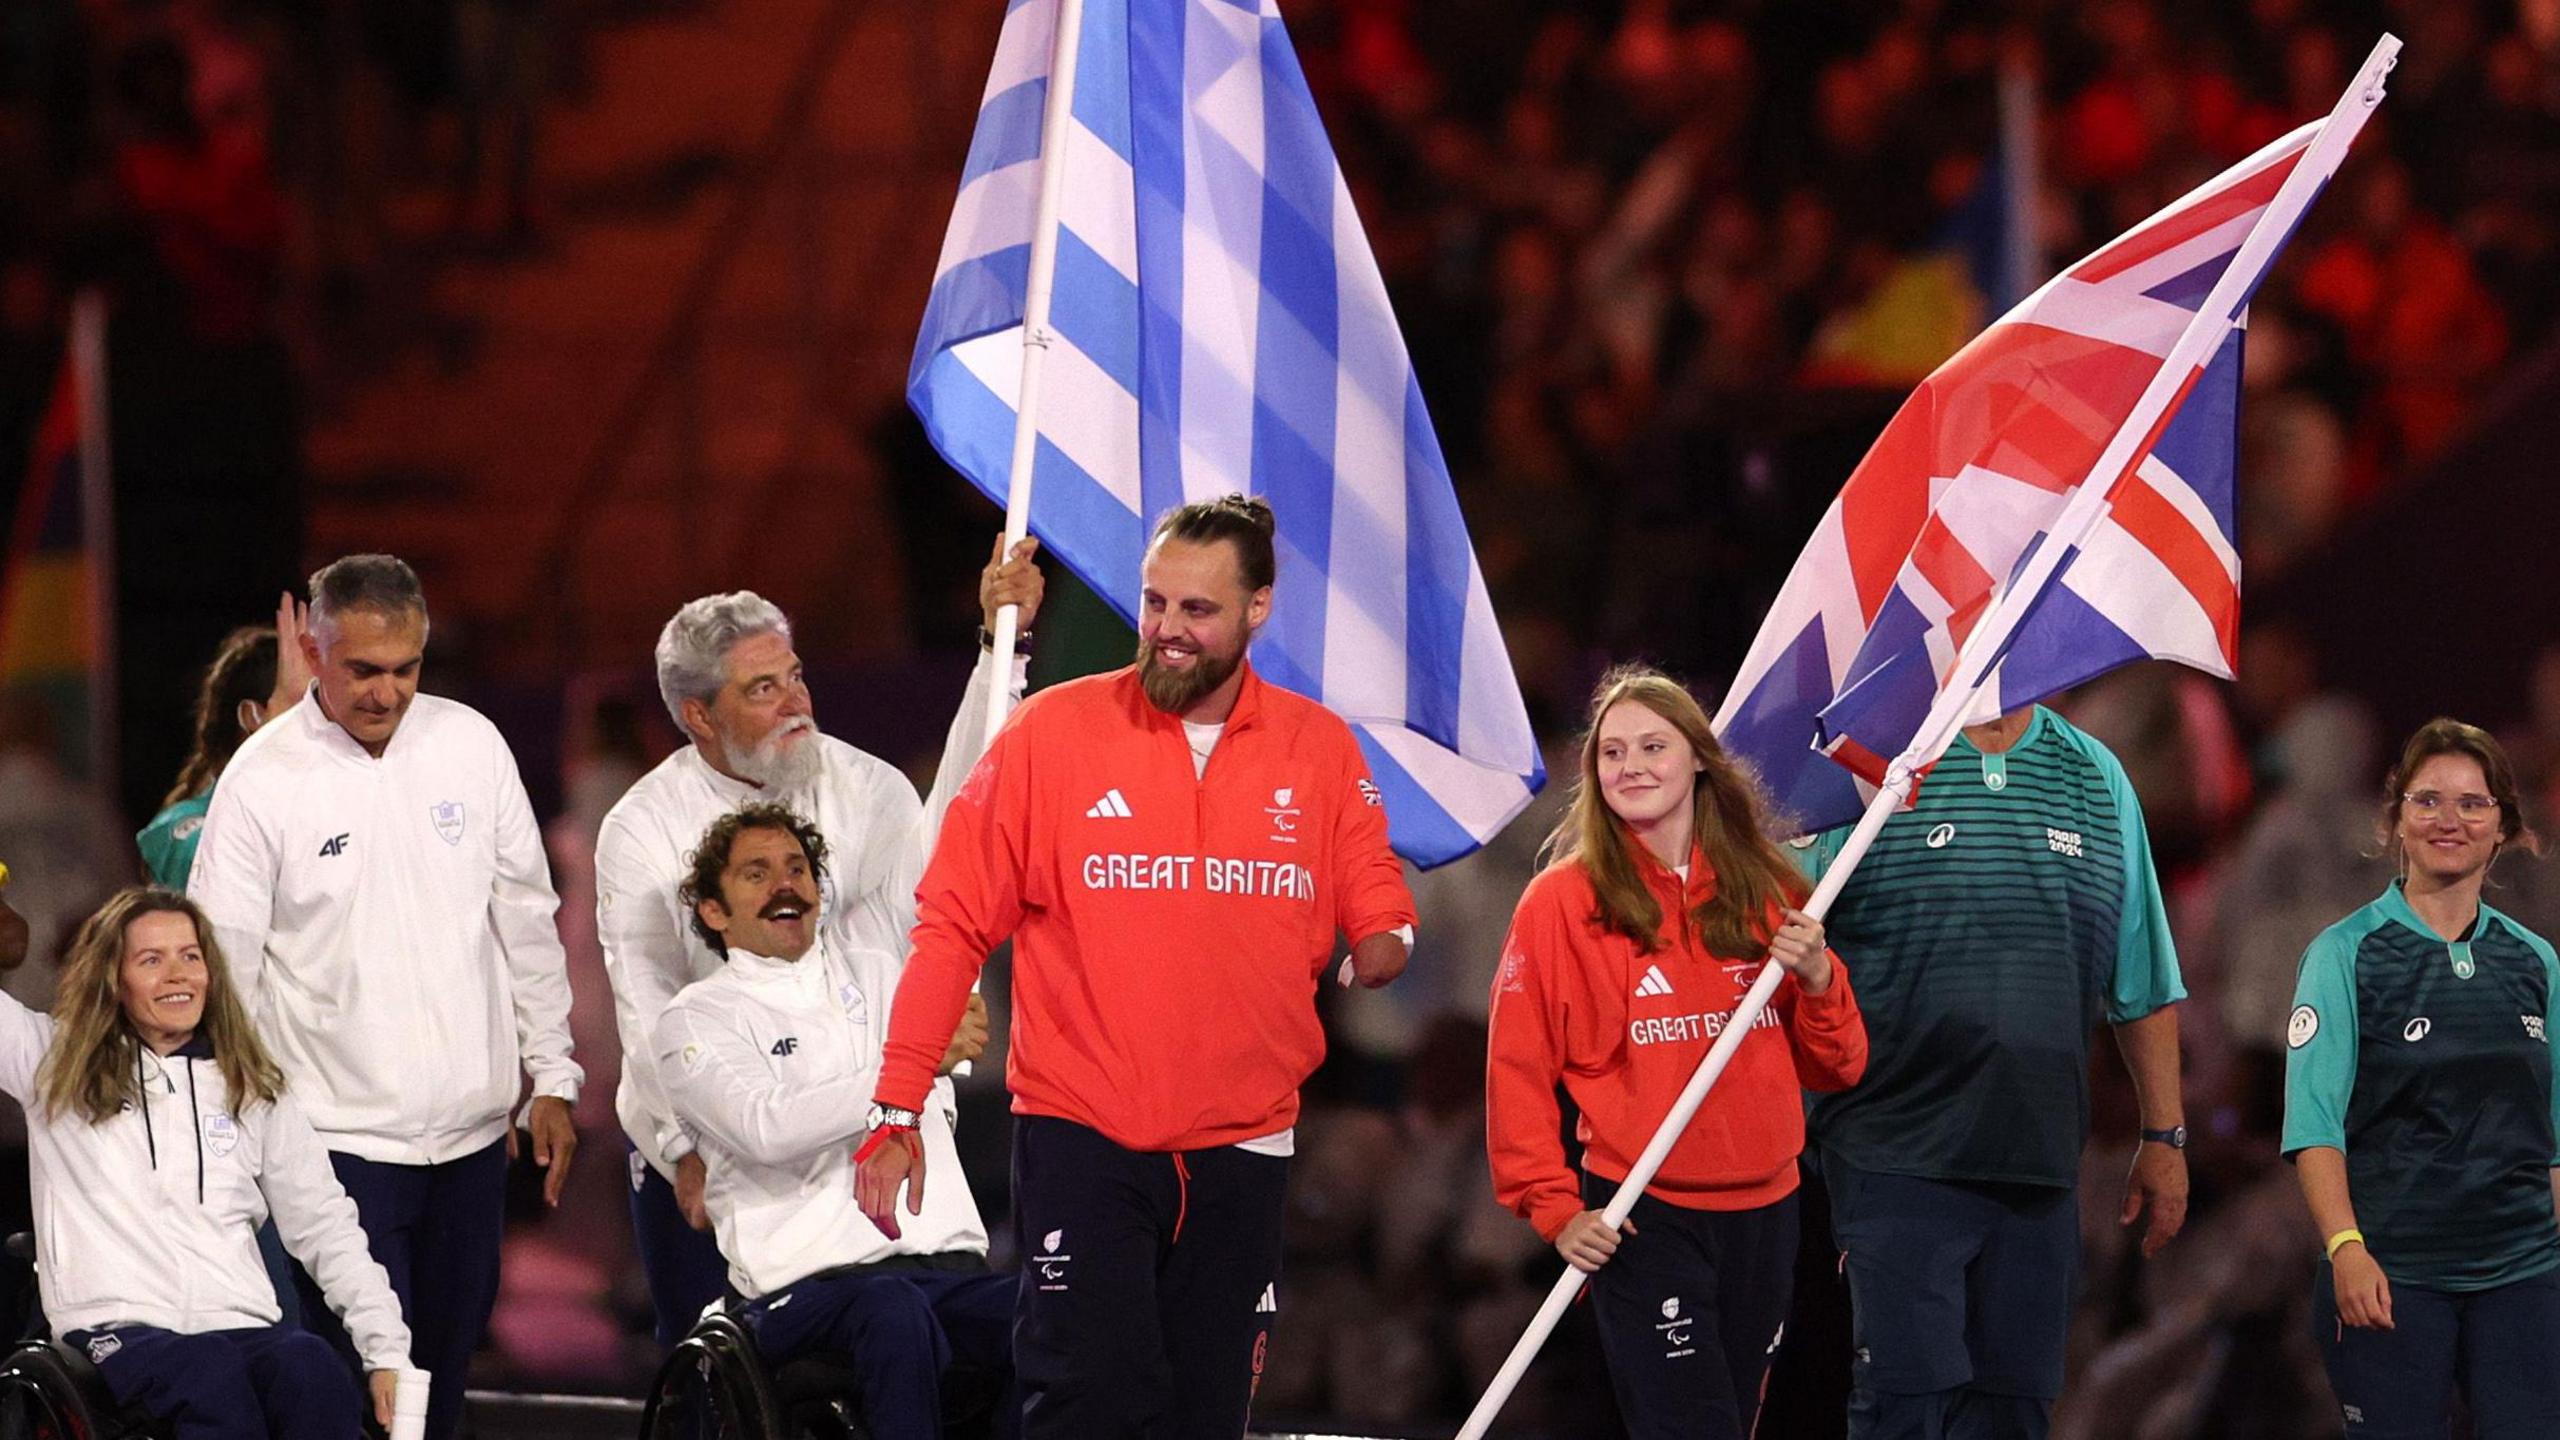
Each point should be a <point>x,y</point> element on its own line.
<point>1221,326</point>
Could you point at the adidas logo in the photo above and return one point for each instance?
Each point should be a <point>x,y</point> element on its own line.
<point>1269,1304</point>
<point>1112,806</point>
<point>1654,982</point>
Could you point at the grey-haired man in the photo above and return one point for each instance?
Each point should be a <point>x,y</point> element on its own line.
<point>731,680</point>
<point>373,871</point>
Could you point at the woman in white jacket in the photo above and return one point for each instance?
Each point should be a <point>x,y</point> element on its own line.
<point>161,1136</point>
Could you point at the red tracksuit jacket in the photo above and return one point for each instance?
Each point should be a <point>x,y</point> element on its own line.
<point>1169,929</point>
<point>1624,1030</point>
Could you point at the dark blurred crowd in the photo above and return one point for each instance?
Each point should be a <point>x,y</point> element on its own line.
<point>255,187</point>
<point>1665,264</point>
<point>240,175</point>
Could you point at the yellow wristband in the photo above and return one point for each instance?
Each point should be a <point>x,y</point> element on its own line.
<point>2342,1237</point>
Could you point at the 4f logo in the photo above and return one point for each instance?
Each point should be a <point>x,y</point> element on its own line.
<point>786,1045</point>
<point>334,845</point>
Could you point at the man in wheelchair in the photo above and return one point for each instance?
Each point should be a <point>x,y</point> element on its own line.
<point>769,1064</point>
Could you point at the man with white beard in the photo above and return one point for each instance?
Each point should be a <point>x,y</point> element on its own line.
<point>730,679</point>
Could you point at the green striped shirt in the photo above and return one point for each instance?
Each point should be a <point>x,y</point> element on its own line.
<point>1988,931</point>
<point>168,843</point>
<point>2429,1063</point>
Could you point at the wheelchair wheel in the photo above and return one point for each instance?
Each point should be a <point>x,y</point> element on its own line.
<point>712,1387</point>
<point>715,1386</point>
<point>50,1392</point>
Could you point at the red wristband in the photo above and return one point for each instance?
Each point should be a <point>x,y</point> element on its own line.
<point>878,1134</point>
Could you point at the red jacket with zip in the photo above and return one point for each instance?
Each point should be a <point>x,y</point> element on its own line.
<point>1623,1030</point>
<point>1169,927</point>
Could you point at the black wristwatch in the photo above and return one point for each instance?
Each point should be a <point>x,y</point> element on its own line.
<point>2175,1137</point>
<point>1021,640</point>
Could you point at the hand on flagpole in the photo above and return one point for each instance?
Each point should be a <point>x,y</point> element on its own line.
<point>1014,581</point>
<point>1586,1242</point>
<point>1799,949</point>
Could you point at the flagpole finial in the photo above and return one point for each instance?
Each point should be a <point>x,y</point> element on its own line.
<point>2375,89</point>
<point>2378,68</point>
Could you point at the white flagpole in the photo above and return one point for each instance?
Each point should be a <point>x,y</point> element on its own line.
<point>1055,116</point>
<point>1973,667</point>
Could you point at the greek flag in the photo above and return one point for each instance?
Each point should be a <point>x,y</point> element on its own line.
<point>1220,325</point>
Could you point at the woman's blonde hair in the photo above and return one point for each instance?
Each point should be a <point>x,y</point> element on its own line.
<point>1752,877</point>
<point>91,1068</point>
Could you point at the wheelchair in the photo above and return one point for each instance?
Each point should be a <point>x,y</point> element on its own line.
<point>715,1386</point>
<point>50,1391</point>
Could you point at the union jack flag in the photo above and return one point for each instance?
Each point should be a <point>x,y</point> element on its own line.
<point>1968,478</point>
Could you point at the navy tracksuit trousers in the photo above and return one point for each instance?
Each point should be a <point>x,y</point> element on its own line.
<point>905,1330</point>
<point>1150,1281</point>
<point>271,1381</point>
<point>436,1228</point>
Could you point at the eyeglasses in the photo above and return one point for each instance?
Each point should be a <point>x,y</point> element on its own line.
<point>2431,803</point>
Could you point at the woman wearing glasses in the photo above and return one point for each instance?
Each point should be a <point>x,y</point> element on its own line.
<point>2419,1116</point>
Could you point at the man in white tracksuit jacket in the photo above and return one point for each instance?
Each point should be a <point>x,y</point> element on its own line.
<point>770,1063</point>
<point>372,868</point>
<point>731,681</point>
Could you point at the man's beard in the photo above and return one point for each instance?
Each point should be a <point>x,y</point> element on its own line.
<point>1174,691</point>
<point>772,764</point>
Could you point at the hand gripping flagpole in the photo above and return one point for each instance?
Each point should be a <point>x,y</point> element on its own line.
<point>1056,115</point>
<point>1979,658</point>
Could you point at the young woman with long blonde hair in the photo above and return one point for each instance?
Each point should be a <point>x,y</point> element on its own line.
<point>1626,958</point>
<point>161,1135</point>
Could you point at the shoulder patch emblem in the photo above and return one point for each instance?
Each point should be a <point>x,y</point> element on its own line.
<point>693,1058</point>
<point>2304,1024</point>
